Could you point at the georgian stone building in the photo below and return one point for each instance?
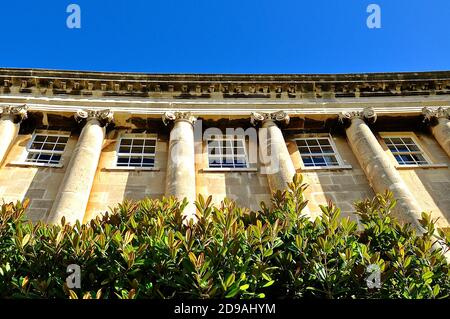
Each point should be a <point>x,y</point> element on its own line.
<point>77,143</point>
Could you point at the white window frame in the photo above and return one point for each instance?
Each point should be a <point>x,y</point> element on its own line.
<point>23,160</point>
<point>136,168</point>
<point>341,164</point>
<point>414,138</point>
<point>247,167</point>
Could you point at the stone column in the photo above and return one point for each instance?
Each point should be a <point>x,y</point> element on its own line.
<point>180,178</point>
<point>10,118</point>
<point>273,150</point>
<point>377,166</point>
<point>72,198</point>
<point>440,120</point>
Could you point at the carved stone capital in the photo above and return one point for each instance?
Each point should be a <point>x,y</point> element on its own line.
<point>178,116</point>
<point>103,116</point>
<point>280,116</point>
<point>17,113</point>
<point>367,114</point>
<point>431,114</point>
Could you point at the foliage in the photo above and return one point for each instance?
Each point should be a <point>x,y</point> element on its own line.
<point>146,250</point>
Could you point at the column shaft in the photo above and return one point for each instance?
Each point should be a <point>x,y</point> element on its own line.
<point>180,179</point>
<point>8,133</point>
<point>278,163</point>
<point>73,196</point>
<point>380,171</point>
<point>10,119</point>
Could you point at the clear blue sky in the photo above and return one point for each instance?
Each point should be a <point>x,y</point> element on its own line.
<point>227,36</point>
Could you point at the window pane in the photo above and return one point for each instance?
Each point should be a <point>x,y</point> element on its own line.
<point>402,148</point>
<point>304,150</point>
<point>413,148</point>
<point>60,147</point>
<point>63,139</point>
<point>124,149</point>
<point>327,149</point>
<point>319,161</point>
<point>408,159</point>
<point>407,140</point>
<point>150,142</point>
<point>37,146</point>
<point>392,148</point>
<point>149,150</point>
<point>148,161</point>
<point>122,160</point>
<point>331,160</point>
<point>307,161</point>
<point>48,147</point>
<point>39,138</point>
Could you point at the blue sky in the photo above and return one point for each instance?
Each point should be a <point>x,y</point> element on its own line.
<point>227,36</point>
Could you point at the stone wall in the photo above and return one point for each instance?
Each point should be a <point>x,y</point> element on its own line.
<point>112,186</point>
<point>39,184</point>
<point>430,186</point>
<point>247,188</point>
<point>342,186</point>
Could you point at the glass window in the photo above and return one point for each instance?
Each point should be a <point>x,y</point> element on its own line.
<point>318,152</point>
<point>47,148</point>
<point>136,152</point>
<point>405,150</point>
<point>226,153</point>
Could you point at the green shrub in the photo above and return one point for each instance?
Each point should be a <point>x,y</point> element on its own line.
<point>144,250</point>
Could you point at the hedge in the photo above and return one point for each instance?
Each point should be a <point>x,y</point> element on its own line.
<point>145,250</point>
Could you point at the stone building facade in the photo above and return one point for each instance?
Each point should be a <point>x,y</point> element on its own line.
<point>77,143</point>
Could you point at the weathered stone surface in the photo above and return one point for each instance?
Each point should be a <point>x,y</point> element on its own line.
<point>180,179</point>
<point>73,196</point>
<point>380,171</point>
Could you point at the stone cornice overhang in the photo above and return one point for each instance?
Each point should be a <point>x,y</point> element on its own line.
<point>224,94</point>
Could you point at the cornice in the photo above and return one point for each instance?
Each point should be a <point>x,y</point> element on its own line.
<point>224,86</point>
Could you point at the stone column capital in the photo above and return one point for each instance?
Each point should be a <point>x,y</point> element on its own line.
<point>103,116</point>
<point>431,114</point>
<point>367,114</point>
<point>178,116</point>
<point>280,116</point>
<point>17,113</point>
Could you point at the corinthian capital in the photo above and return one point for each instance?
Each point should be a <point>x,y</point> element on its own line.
<point>17,113</point>
<point>280,116</point>
<point>103,116</point>
<point>178,116</point>
<point>431,114</point>
<point>367,113</point>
